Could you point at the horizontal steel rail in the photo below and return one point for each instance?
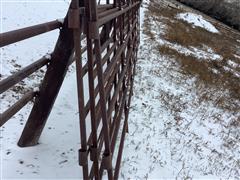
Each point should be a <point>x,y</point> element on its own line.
<point>14,36</point>
<point>10,81</point>
<point>104,7</point>
<point>28,32</point>
<point>109,17</point>
<point>5,116</point>
<point>108,12</point>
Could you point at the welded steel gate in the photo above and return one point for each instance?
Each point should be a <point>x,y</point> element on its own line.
<point>107,35</point>
<point>112,40</point>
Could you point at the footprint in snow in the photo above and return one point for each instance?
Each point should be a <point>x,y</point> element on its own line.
<point>30,166</point>
<point>62,162</point>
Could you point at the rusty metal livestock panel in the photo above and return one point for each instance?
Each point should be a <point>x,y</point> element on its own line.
<point>110,34</point>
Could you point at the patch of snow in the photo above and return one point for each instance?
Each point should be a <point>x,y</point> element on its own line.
<point>61,20</point>
<point>20,14</point>
<point>36,89</point>
<point>233,71</point>
<point>192,51</point>
<point>237,74</point>
<point>56,156</point>
<point>226,68</point>
<point>232,64</point>
<point>215,71</point>
<point>236,56</point>
<point>206,53</point>
<point>197,20</point>
<point>48,56</point>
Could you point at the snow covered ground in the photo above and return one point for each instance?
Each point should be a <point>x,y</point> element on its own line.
<point>197,20</point>
<point>174,132</point>
<point>178,125</point>
<point>56,155</point>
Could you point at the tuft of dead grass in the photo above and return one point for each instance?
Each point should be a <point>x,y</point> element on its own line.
<point>192,67</point>
<point>182,33</point>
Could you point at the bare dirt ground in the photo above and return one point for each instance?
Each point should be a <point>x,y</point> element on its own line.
<point>184,120</point>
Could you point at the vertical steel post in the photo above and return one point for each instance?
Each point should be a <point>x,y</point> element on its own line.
<point>76,25</point>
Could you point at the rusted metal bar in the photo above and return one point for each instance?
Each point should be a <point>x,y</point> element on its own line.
<point>120,151</point>
<point>114,137</point>
<point>10,81</point>
<point>94,146</point>
<point>92,108</point>
<point>119,51</point>
<point>28,32</point>
<point>129,55</point>
<point>94,156</point>
<point>115,72</point>
<point>106,43</point>
<point>105,58</point>
<point>107,157</point>
<point>108,87</point>
<point>107,18</point>
<point>124,105</point>
<point>126,110</point>
<point>118,114</point>
<point>108,12</point>
<point>5,116</point>
<point>104,7</point>
<point>100,138</point>
<point>109,83</point>
<point>96,90</point>
<point>83,50</point>
<point>74,22</point>
<point>108,28</point>
<point>108,91</point>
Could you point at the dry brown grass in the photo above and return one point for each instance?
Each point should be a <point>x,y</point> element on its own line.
<point>182,33</point>
<point>147,29</point>
<point>190,66</point>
